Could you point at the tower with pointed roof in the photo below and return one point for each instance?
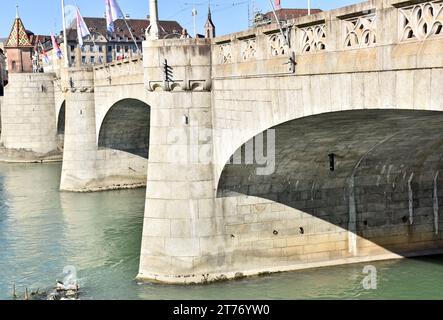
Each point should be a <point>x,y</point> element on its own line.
<point>19,48</point>
<point>209,26</point>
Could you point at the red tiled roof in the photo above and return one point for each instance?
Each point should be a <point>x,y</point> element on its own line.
<point>18,36</point>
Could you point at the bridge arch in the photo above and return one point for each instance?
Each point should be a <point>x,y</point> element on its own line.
<point>385,173</point>
<point>126,127</point>
<point>61,118</point>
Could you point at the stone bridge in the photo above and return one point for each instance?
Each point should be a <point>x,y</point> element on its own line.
<point>106,137</point>
<point>269,150</point>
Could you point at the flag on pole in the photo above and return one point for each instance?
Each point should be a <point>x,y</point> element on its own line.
<point>56,47</point>
<point>82,28</point>
<point>45,57</point>
<point>113,12</point>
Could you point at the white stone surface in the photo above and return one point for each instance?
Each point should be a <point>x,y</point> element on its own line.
<point>28,113</point>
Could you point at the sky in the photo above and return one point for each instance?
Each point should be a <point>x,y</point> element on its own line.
<point>44,16</point>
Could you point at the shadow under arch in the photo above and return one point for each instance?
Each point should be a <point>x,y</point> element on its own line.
<point>386,179</point>
<point>61,119</point>
<point>126,128</point>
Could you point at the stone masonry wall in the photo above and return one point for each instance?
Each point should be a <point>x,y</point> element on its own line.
<point>27,106</point>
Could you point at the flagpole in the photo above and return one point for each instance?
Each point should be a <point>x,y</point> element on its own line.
<point>65,36</point>
<point>309,7</point>
<point>44,52</point>
<point>279,24</point>
<point>39,47</point>
<point>132,35</point>
<point>194,15</point>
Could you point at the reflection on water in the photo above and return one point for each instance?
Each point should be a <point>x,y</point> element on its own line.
<point>42,230</point>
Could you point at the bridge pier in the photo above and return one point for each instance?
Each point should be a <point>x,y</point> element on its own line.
<point>28,118</point>
<point>179,225</point>
<point>80,147</point>
<point>179,209</point>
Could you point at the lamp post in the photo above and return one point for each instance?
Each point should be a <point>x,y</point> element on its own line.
<point>194,16</point>
<point>153,17</point>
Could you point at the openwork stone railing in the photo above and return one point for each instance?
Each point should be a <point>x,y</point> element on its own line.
<point>225,53</point>
<point>360,31</point>
<point>248,49</point>
<point>363,25</point>
<point>277,45</point>
<point>421,21</point>
<point>313,38</point>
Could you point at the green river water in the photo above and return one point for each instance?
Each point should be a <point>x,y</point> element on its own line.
<point>43,230</point>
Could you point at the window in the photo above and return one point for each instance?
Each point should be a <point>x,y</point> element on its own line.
<point>126,49</point>
<point>83,49</point>
<point>92,59</point>
<point>109,48</point>
<point>118,49</point>
<point>72,59</point>
<point>100,48</point>
<point>91,48</point>
<point>83,59</point>
<point>72,48</point>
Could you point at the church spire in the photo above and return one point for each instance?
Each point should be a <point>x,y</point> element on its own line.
<point>17,16</point>
<point>209,26</point>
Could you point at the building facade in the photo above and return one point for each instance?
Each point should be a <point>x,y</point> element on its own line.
<point>103,47</point>
<point>19,49</point>
<point>22,49</point>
